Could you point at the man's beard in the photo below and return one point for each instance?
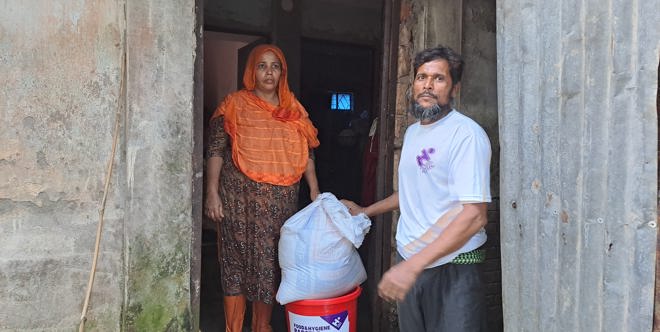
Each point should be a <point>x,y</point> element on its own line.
<point>433,113</point>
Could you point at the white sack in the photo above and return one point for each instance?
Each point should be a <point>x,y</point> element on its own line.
<point>317,251</point>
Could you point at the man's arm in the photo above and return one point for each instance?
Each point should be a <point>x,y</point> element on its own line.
<point>398,280</point>
<point>466,224</point>
<point>388,204</point>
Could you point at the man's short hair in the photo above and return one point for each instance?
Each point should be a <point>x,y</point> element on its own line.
<point>445,53</point>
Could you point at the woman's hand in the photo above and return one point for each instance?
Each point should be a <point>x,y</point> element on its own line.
<point>353,208</point>
<point>313,193</point>
<point>213,207</point>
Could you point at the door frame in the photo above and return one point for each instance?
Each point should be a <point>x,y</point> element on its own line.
<point>382,225</point>
<point>197,167</point>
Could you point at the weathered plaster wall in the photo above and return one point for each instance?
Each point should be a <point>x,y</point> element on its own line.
<point>158,166</point>
<point>62,67</point>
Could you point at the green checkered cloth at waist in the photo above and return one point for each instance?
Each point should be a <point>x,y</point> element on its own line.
<point>471,257</point>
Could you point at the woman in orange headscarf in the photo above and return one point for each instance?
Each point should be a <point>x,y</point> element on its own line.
<point>259,149</point>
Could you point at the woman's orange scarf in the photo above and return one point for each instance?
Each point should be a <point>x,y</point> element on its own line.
<point>269,143</point>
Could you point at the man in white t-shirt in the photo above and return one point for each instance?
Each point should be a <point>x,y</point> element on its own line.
<point>444,186</point>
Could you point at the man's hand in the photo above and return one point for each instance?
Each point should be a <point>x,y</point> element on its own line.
<point>397,281</point>
<point>353,208</point>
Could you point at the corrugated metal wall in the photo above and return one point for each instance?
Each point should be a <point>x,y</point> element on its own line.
<point>578,128</point>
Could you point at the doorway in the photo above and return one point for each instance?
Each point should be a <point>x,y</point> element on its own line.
<point>327,70</point>
<point>224,58</point>
<point>337,88</point>
<point>338,91</point>
<point>290,24</point>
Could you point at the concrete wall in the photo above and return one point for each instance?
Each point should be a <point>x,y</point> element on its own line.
<point>159,165</point>
<point>62,73</point>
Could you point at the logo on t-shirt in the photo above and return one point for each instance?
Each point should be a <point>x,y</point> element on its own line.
<point>424,160</point>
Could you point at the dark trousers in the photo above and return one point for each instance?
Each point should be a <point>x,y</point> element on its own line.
<point>446,298</point>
